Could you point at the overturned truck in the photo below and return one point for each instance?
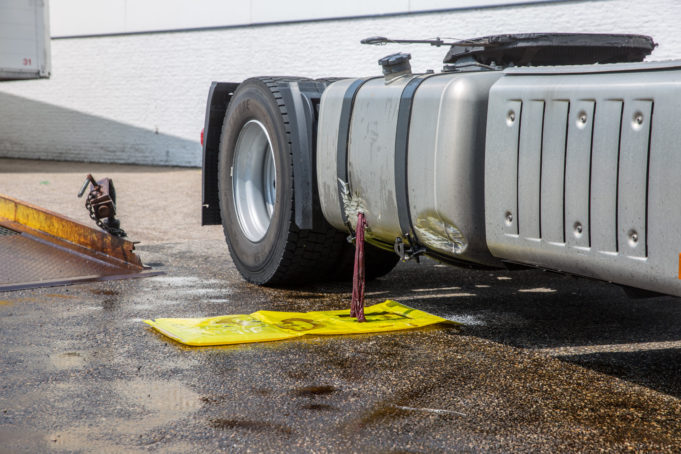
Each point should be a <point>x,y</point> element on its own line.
<point>557,151</point>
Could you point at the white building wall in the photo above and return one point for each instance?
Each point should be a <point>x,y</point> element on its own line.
<point>141,98</point>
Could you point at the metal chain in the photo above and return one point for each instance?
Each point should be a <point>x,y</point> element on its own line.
<point>116,231</point>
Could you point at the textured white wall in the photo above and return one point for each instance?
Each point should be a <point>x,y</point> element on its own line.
<point>98,17</point>
<point>141,98</point>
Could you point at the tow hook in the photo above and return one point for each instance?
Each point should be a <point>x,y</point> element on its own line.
<point>101,204</point>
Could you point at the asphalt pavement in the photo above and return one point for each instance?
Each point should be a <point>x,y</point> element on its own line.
<point>539,362</point>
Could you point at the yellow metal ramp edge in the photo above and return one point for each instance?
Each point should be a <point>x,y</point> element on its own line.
<point>39,248</point>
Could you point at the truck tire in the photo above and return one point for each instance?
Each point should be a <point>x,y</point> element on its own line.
<point>255,186</point>
<point>377,262</point>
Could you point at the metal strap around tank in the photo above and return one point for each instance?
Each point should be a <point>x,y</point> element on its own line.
<point>401,155</point>
<point>343,138</point>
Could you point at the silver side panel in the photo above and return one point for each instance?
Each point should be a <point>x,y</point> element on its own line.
<point>327,144</point>
<point>371,157</point>
<point>446,164</point>
<point>582,173</point>
<point>445,161</point>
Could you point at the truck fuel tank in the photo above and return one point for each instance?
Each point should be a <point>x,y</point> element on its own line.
<point>409,153</point>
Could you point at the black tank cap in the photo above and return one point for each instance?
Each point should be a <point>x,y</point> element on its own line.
<point>395,63</point>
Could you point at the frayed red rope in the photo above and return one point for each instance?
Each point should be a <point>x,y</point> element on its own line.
<point>358,276</point>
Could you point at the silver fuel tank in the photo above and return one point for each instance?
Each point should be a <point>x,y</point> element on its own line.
<point>409,153</point>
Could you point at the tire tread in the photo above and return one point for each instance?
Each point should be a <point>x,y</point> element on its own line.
<point>316,254</point>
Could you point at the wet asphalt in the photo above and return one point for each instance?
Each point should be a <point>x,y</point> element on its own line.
<point>539,362</point>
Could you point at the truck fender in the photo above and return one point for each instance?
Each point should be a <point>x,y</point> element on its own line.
<point>301,99</point>
<point>219,96</point>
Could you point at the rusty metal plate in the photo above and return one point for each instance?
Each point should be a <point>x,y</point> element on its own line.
<point>39,248</point>
<point>27,262</point>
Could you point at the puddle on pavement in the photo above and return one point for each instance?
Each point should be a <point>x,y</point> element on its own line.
<point>468,320</point>
<point>537,290</point>
<point>174,290</point>
<point>312,391</point>
<point>436,295</point>
<point>159,403</point>
<point>319,407</point>
<point>250,425</point>
<point>160,396</point>
<point>435,289</point>
<point>182,281</point>
<point>207,292</point>
<point>67,360</point>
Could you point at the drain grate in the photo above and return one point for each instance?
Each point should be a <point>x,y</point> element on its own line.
<point>7,232</point>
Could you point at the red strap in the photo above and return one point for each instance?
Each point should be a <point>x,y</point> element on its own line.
<point>358,277</point>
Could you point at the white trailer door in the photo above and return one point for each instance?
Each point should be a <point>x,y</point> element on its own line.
<point>24,39</point>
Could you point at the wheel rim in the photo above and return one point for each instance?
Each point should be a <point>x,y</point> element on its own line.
<point>254,179</point>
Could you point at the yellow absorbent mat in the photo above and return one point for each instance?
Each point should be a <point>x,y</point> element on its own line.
<point>265,326</point>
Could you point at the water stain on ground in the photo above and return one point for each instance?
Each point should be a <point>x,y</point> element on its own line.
<point>312,391</point>
<point>212,400</point>
<point>298,374</point>
<point>155,403</point>
<point>67,360</point>
<point>110,304</point>
<point>492,392</point>
<point>262,391</point>
<point>250,425</point>
<point>382,414</point>
<point>319,407</point>
<point>96,291</point>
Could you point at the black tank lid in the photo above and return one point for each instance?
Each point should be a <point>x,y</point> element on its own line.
<point>549,49</point>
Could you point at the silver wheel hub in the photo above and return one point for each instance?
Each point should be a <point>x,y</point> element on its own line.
<point>254,180</point>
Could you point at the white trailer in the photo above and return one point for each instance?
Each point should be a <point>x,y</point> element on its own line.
<point>24,39</point>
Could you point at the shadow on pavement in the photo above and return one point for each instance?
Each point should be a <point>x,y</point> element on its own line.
<point>655,369</point>
<point>34,129</point>
<point>542,311</point>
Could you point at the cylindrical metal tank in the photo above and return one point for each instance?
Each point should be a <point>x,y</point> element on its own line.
<point>409,153</point>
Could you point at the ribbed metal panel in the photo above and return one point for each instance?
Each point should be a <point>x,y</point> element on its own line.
<point>582,173</point>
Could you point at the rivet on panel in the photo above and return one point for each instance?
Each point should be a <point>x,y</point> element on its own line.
<point>509,218</point>
<point>581,119</point>
<point>510,117</point>
<point>633,238</point>
<point>637,120</point>
<point>578,229</point>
